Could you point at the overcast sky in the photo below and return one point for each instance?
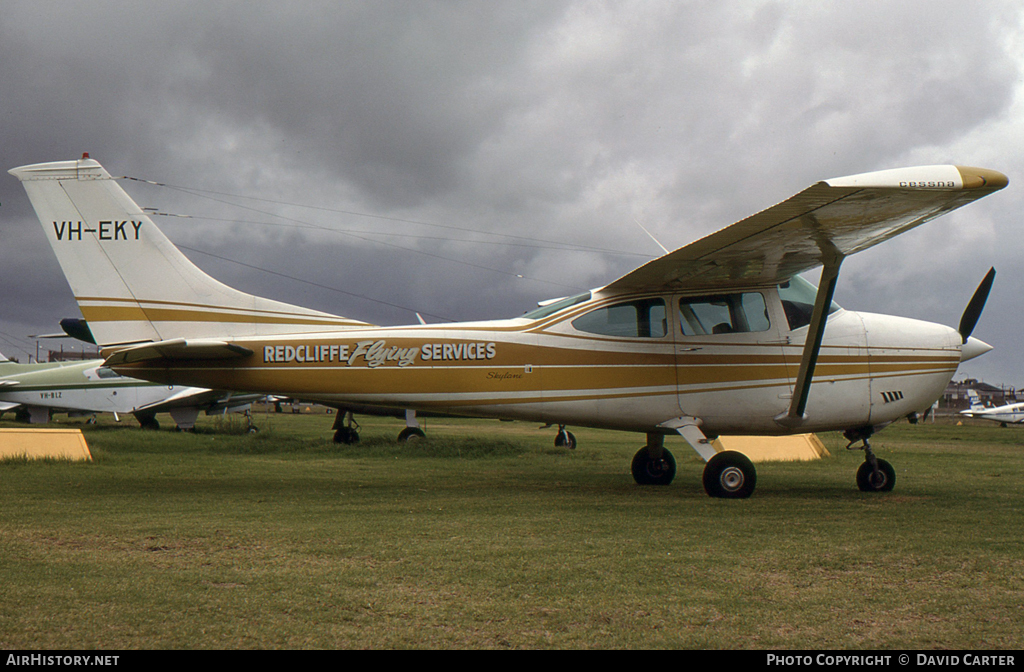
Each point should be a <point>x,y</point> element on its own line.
<point>468,159</point>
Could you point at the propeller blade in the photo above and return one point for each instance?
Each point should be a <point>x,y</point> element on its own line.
<point>973,311</point>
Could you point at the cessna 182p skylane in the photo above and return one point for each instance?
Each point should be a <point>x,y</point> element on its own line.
<point>720,336</point>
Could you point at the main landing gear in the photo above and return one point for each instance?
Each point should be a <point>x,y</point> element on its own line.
<point>653,464</point>
<point>727,475</point>
<point>875,474</point>
<point>730,475</point>
<point>346,429</point>
<point>250,426</point>
<point>147,421</point>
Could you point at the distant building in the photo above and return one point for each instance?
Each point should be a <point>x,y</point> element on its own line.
<point>958,394</point>
<point>63,355</point>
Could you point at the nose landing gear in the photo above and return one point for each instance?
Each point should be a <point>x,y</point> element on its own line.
<point>875,474</point>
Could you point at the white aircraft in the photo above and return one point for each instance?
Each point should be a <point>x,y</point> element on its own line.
<point>88,387</point>
<point>1008,414</point>
<point>720,336</point>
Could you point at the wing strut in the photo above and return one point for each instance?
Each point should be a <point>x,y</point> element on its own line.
<point>815,332</point>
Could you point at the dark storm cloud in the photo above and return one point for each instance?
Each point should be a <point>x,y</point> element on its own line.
<point>560,121</point>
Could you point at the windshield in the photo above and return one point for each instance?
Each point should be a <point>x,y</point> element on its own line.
<point>797,298</point>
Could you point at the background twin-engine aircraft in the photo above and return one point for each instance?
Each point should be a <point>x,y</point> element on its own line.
<point>1005,415</point>
<point>88,387</point>
<point>721,336</point>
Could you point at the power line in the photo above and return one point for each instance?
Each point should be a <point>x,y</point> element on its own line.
<point>533,242</point>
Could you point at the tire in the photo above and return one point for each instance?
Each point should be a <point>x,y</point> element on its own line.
<point>730,475</point>
<point>565,439</point>
<point>866,481</point>
<point>148,422</point>
<point>411,434</point>
<point>648,471</point>
<point>347,436</point>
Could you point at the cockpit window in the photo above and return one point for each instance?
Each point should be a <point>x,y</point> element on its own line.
<point>644,318</point>
<point>797,298</point>
<point>105,372</point>
<point>723,314</point>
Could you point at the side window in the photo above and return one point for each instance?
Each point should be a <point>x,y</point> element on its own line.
<point>723,314</point>
<point>645,318</point>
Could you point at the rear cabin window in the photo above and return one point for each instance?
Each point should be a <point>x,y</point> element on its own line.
<point>645,318</point>
<point>723,314</point>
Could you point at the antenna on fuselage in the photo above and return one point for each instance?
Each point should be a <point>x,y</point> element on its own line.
<point>663,248</point>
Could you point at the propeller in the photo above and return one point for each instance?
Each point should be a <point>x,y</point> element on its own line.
<point>977,303</point>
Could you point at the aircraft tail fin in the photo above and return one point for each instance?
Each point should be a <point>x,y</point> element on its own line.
<point>131,283</point>
<point>975,399</point>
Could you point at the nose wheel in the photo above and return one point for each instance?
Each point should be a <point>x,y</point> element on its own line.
<point>875,474</point>
<point>877,477</point>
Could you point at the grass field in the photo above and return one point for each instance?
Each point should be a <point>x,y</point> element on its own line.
<point>486,535</point>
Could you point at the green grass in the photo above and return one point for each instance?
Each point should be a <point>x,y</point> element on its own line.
<point>486,535</point>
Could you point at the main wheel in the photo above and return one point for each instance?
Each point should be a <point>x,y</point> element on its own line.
<point>650,471</point>
<point>148,422</point>
<point>730,475</point>
<point>346,435</point>
<point>411,434</point>
<point>565,439</point>
<point>883,481</point>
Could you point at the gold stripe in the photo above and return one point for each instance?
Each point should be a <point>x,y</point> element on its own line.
<point>544,383</point>
<point>137,314</point>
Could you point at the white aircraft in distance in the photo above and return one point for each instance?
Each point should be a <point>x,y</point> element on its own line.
<point>1008,414</point>
<point>721,336</point>
<point>88,387</point>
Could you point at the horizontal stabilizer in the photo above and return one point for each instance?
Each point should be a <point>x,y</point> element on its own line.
<point>177,349</point>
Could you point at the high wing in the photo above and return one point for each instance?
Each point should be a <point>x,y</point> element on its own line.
<point>833,218</point>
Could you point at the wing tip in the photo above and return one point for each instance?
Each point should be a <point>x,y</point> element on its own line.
<point>982,178</point>
<point>942,177</point>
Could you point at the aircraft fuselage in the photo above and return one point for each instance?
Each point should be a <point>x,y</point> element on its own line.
<point>619,362</point>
